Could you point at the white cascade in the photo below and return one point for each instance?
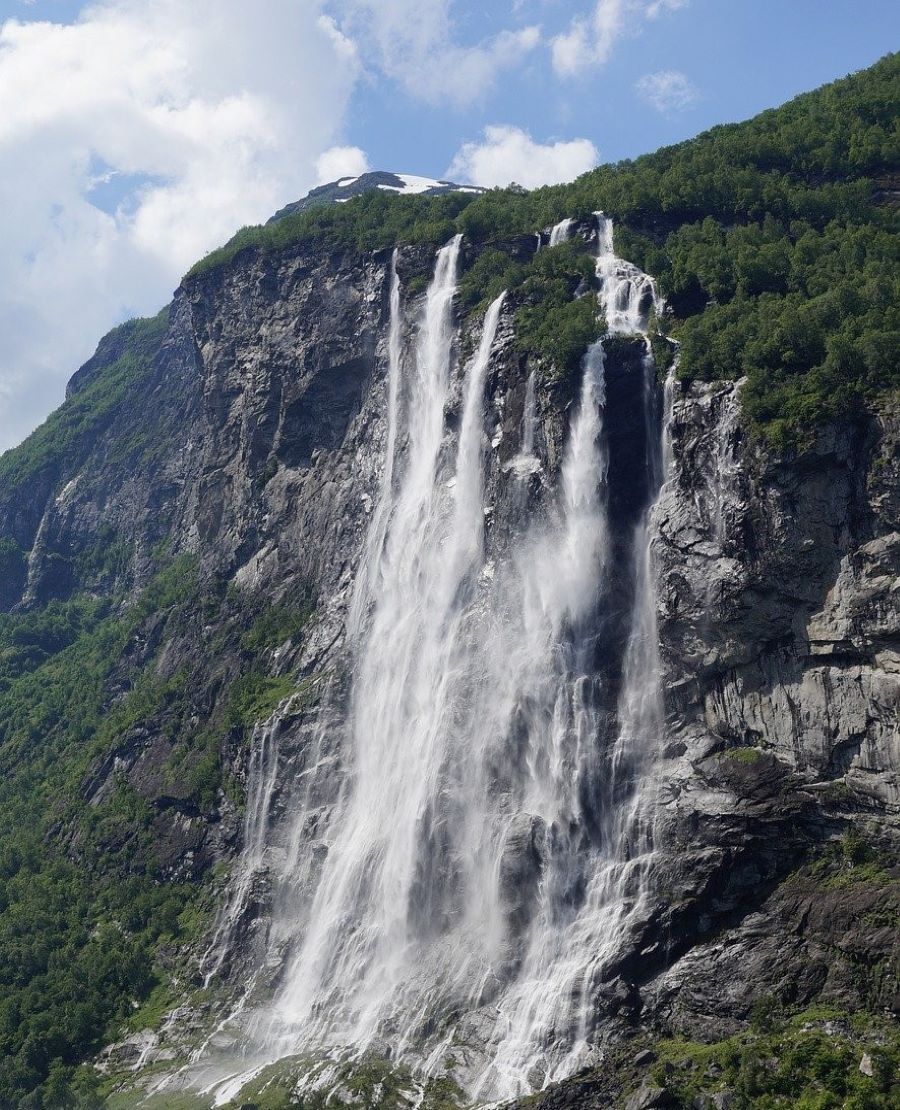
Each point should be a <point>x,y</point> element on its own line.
<point>490,843</point>
<point>358,965</point>
<point>262,772</point>
<point>529,417</point>
<point>560,232</point>
<point>525,462</point>
<point>370,564</point>
<point>546,1016</point>
<point>626,293</point>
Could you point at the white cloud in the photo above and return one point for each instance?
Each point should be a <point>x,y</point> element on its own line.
<point>659,7</point>
<point>413,42</point>
<point>590,39</point>
<point>340,161</point>
<point>667,91</point>
<point>204,115</point>
<point>509,154</point>
<point>343,45</point>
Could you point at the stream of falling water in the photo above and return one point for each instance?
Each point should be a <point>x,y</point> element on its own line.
<point>546,1017</point>
<point>559,233</point>
<point>485,854</point>
<point>370,563</point>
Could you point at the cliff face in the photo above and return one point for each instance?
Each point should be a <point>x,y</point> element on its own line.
<point>255,442</point>
<point>778,619</point>
<point>778,626</point>
<point>258,370</point>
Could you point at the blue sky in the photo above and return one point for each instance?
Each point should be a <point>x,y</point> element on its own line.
<point>740,55</point>
<point>138,134</point>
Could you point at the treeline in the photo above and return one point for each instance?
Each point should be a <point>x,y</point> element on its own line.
<point>774,242</point>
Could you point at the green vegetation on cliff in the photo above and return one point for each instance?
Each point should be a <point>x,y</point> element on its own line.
<point>76,946</point>
<point>90,881</point>
<point>817,1059</point>
<point>774,241</point>
<point>125,355</point>
<point>555,318</point>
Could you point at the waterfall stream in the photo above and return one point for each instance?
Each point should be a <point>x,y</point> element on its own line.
<point>374,550</point>
<point>559,233</point>
<point>492,837</point>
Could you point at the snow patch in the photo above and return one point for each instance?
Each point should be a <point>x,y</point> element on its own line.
<point>413,184</point>
<point>419,184</point>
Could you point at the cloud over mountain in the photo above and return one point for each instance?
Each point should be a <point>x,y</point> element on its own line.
<point>509,154</point>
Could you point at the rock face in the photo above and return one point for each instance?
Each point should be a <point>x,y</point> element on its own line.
<point>780,593</point>
<point>778,626</point>
<point>262,430</point>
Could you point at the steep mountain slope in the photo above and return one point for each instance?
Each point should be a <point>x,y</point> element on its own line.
<point>180,548</point>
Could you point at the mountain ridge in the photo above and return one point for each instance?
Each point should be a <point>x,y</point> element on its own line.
<point>345,188</point>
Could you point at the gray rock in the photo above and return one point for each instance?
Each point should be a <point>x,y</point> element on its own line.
<point>650,1098</point>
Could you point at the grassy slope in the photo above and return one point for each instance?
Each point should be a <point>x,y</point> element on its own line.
<point>69,433</point>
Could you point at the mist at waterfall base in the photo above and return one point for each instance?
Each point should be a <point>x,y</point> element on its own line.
<point>491,842</point>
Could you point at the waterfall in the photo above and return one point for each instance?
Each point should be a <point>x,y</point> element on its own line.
<point>667,454</point>
<point>262,774</point>
<point>525,462</point>
<point>469,499</point>
<point>529,418</point>
<point>573,940</point>
<point>262,769</point>
<point>491,840</point>
<point>560,232</point>
<point>626,293</point>
<point>584,537</point>
<point>374,550</point>
<point>377,898</point>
